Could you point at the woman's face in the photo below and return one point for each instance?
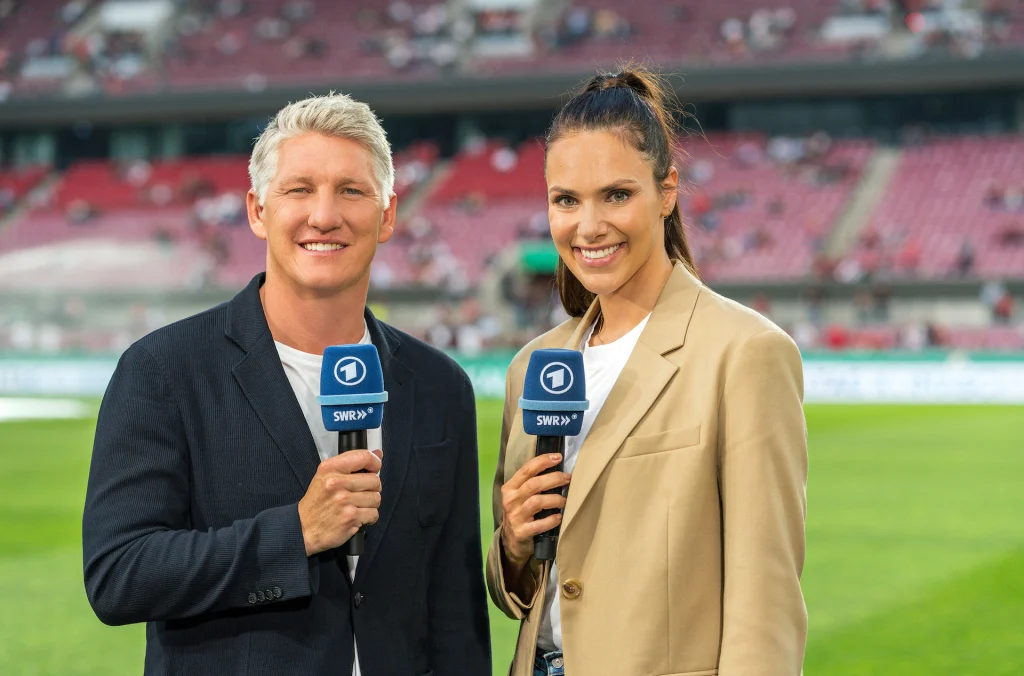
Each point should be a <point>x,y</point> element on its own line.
<point>606,211</point>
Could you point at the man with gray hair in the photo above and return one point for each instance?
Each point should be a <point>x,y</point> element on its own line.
<point>217,501</point>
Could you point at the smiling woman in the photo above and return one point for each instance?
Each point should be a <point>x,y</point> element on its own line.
<point>682,530</point>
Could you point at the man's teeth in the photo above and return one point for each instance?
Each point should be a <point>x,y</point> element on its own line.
<point>600,253</point>
<point>322,246</point>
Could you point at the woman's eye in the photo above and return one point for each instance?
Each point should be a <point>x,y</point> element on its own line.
<point>564,201</point>
<point>619,195</point>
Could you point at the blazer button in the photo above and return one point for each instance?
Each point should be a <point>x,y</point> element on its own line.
<point>261,597</point>
<point>572,589</point>
<point>270,594</point>
<point>357,599</point>
<point>277,592</point>
<point>252,597</point>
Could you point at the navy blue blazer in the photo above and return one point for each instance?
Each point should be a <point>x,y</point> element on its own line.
<point>191,516</point>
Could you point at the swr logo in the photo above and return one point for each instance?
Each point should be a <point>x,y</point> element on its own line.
<point>556,378</point>
<point>349,416</point>
<point>350,371</point>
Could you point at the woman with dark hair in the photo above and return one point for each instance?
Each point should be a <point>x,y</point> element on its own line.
<point>682,540</point>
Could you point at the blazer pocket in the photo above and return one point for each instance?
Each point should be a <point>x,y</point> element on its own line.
<point>435,467</point>
<point>659,442</point>
<point>709,672</point>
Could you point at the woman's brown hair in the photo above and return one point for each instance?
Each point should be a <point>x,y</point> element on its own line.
<point>634,102</point>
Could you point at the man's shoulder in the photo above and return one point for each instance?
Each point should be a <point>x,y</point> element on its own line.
<point>195,336</point>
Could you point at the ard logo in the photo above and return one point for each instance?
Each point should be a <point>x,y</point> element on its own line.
<point>349,371</point>
<point>556,378</point>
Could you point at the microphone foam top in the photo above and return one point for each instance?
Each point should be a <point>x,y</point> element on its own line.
<point>554,393</point>
<point>352,392</point>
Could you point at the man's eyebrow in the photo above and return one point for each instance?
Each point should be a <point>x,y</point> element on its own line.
<point>344,180</point>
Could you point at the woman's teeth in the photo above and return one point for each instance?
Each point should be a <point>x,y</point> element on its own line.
<point>322,246</point>
<point>600,253</point>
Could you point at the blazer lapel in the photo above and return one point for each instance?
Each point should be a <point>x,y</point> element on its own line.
<point>396,433</point>
<point>637,388</point>
<point>264,383</point>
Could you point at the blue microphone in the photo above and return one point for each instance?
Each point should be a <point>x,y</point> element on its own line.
<point>554,399</point>
<point>352,400</point>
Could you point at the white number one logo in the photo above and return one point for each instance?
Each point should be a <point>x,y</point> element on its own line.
<point>349,371</point>
<point>557,379</point>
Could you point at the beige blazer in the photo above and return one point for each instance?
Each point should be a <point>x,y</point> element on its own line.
<point>682,541</point>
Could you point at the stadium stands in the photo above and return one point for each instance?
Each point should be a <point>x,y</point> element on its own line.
<point>959,202</point>
<point>760,209</point>
<point>197,203</point>
<point>15,185</point>
<point>47,46</point>
<point>756,208</point>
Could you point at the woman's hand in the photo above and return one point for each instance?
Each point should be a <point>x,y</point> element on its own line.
<point>522,497</point>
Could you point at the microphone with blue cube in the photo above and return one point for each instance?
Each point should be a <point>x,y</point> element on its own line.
<point>554,399</point>
<point>352,398</point>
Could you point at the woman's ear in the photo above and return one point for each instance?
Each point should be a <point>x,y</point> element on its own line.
<point>669,192</point>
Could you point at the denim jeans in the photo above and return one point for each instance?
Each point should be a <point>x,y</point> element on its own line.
<point>548,664</point>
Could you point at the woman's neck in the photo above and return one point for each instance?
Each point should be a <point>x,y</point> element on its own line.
<point>622,310</point>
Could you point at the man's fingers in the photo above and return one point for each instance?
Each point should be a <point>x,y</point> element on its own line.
<point>351,462</point>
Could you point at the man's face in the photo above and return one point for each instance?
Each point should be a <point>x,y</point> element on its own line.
<point>323,215</point>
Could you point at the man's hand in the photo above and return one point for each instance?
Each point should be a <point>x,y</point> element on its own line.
<point>340,500</point>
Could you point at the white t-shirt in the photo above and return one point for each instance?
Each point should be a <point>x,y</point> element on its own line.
<point>602,365</point>
<point>303,371</point>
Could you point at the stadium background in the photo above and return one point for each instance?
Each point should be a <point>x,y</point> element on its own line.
<point>853,169</point>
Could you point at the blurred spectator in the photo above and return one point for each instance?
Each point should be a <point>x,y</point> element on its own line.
<point>1010,235</point>
<point>80,211</point>
<point>1002,309</point>
<point>964,264</point>
<point>298,10</point>
<point>272,28</point>
<point>504,159</point>
<point>230,8</point>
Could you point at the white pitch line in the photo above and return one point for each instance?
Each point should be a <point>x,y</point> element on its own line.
<point>29,408</point>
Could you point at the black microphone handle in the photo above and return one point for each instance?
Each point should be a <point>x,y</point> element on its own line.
<point>350,441</point>
<point>545,544</point>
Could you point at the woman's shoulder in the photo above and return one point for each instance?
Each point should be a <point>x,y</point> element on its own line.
<point>730,323</point>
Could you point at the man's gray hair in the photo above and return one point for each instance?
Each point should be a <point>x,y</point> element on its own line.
<point>335,115</point>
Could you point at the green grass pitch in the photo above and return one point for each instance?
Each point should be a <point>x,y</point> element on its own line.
<point>915,534</point>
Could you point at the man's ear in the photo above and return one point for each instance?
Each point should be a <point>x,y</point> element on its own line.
<point>255,211</point>
<point>387,221</point>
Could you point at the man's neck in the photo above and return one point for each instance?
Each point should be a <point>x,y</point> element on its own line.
<point>310,322</point>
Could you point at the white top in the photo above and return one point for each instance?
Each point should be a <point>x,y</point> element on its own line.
<point>602,365</point>
<point>303,371</point>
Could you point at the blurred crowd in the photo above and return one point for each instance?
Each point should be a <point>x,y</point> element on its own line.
<point>432,38</point>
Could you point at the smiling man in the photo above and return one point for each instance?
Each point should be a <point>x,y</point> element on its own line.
<point>217,502</point>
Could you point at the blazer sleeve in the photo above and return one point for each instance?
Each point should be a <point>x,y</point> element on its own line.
<point>763,475</point>
<point>142,560</point>
<point>506,601</point>
<point>459,627</point>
